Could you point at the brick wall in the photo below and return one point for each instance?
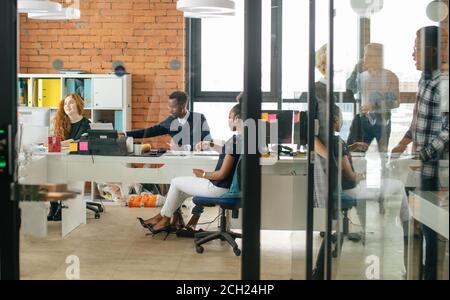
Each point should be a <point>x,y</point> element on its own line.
<point>145,34</point>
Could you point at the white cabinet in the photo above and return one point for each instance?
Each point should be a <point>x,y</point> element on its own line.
<point>107,97</point>
<point>107,93</point>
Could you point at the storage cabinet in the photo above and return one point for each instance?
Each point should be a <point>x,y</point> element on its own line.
<point>107,97</point>
<point>108,93</point>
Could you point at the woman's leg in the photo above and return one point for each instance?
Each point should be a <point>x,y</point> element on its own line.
<point>180,189</point>
<point>393,187</point>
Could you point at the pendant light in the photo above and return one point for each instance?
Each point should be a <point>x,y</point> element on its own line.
<point>208,16</point>
<point>37,6</point>
<point>66,13</point>
<point>206,6</point>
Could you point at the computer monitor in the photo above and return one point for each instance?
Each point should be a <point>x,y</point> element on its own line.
<point>38,116</point>
<point>301,128</point>
<point>285,120</point>
<point>292,126</point>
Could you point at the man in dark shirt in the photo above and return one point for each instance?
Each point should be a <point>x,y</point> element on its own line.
<point>186,129</point>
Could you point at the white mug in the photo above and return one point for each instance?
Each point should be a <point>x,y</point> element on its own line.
<point>138,149</point>
<point>130,145</point>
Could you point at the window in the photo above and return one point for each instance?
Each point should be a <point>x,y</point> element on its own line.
<point>398,37</point>
<point>216,55</point>
<point>296,38</point>
<point>222,54</point>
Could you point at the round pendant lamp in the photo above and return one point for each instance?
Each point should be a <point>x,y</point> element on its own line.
<point>366,8</point>
<point>65,14</point>
<point>37,6</point>
<point>208,16</point>
<point>206,6</point>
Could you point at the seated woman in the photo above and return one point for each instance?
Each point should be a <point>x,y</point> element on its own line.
<point>205,184</point>
<point>354,184</point>
<point>69,126</point>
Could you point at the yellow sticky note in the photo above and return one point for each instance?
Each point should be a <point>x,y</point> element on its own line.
<point>73,147</point>
<point>265,117</point>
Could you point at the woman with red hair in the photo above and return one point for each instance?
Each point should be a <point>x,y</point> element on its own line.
<point>70,124</point>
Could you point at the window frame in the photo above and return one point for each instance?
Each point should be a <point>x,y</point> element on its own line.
<point>194,64</point>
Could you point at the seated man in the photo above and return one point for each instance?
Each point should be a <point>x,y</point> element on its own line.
<point>186,129</point>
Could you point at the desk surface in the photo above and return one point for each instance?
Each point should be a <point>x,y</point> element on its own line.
<point>188,158</point>
<point>431,209</point>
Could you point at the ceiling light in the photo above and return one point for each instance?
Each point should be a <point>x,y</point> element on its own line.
<point>208,16</point>
<point>206,6</point>
<point>65,14</point>
<point>37,6</point>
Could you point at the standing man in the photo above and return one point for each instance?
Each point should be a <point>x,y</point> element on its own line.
<point>429,128</point>
<point>378,91</point>
<point>187,129</point>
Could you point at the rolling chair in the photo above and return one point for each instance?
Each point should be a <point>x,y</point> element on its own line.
<point>97,208</point>
<point>229,201</point>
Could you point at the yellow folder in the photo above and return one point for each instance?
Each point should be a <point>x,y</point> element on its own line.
<point>49,92</point>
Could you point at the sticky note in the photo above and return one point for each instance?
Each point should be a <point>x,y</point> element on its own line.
<point>84,146</point>
<point>272,118</point>
<point>265,117</point>
<point>296,118</point>
<point>73,147</point>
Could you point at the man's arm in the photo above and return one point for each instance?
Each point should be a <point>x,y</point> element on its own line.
<point>157,130</point>
<point>438,144</point>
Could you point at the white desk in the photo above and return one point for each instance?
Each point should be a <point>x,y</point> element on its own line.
<point>430,209</point>
<point>284,181</point>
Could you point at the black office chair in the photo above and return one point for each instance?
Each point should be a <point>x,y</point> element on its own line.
<point>97,208</point>
<point>229,201</point>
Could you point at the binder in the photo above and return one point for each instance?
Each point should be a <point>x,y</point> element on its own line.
<point>118,120</point>
<point>49,92</point>
<point>87,93</point>
<point>31,93</point>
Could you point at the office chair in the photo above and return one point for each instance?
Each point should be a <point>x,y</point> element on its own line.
<point>97,208</point>
<point>230,201</point>
<point>347,203</point>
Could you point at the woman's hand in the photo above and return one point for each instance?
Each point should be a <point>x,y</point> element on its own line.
<point>360,177</point>
<point>199,173</point>
<point>358,147</point>
<point>202,146</point>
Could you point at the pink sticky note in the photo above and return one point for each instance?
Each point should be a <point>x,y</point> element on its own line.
<point>84,146</point>
<point>272,118</point>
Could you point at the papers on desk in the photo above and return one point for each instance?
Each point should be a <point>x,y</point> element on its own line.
<point>102,126</point>
<point>190,153</point>
<point>177,153</point>
<point>205,153</point>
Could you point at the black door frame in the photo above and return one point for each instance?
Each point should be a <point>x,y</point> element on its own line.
<point>251,169</point>
<point>9,207</point>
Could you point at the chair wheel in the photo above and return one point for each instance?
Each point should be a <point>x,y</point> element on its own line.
<point>237,252</point>
<point>97,216</point>
<point>322,234</point>
<point>101,209</point>
<point>199,249</point>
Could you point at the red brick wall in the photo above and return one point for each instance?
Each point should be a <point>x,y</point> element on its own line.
<point>145,34</point>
